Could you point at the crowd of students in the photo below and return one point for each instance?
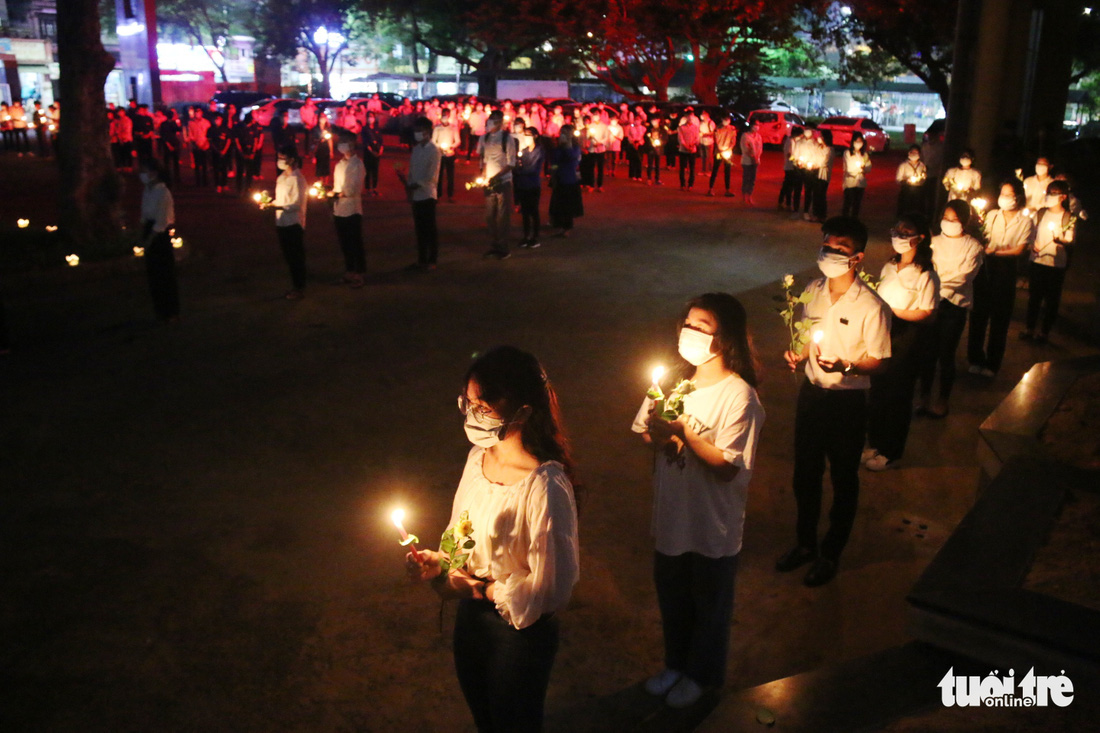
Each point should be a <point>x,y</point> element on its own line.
<point>17,123</point>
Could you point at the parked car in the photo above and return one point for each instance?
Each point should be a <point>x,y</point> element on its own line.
<point>241,100</point>
<point>842,128</point>
<point>935,130</point>
<point>775,124</point>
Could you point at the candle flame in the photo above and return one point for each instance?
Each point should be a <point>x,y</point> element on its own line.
<point>818,336</point>
<point>23,223</point>
<point>658,372</point>
<point>256,197</point>
<point>73,260</point>
<point>51,228</point>
<point>979,204</point>
<point>139,251</point>
<point>398,517</point>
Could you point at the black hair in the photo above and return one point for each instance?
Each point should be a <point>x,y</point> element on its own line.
<point>732,338</point>
<point>291,154</point>
<point>827,137</point>
<point>848,227</point>
<point>919,222</point>
<point>852,143</point>
<point>967,153</point>
<point>1058,187</point>
<point>422,123</point>
<point>155,168</point>
<point>1017,189</point>
<point>962,210</point>
<point>509,379</point>
<point>912,148</point>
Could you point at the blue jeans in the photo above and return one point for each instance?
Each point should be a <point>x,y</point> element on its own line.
<point>695,594</point>
<point>503,671</point>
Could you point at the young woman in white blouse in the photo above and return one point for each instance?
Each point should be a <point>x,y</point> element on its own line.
<point>1055,228</point>
<point>158,217</point>
<point>702,465</point>
<point>1035,187</point>
<point>912,175</point>
<point>291,205</point>
<point>911,288</point>
<point>517,489</point>
<point>1008,232</point>
<point>963,181</point>
<point>856,164</point>
<point>957,257</point>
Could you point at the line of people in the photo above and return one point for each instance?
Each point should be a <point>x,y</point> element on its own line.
<point>17,122</point>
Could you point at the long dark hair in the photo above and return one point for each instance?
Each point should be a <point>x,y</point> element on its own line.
<point>919,223</point>
<point>510,379</point>
<point>732,337</point>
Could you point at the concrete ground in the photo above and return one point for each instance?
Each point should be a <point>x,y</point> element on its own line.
<point>194,525</point>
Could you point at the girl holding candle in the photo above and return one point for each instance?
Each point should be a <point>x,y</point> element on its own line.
<point>1035,187</point>
<point>1009,232</point>
<point>1050,254</point>
<point>517,489</point>
<point>910,286</point>
<point>656,140</point>
<point>911,177</point>
<point>290,205</point>
<point>566,199</point>
<point>856,164</point>
<point>702,465</point>
<point>158,217</point>
<point>963,181</point>
<point>957,257</point>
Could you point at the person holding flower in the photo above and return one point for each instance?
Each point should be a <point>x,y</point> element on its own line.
<point>702,464</point>
<point>516,501</point>
<point>1050,254</point>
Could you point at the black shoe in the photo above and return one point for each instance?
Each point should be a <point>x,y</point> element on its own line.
<point>822,571</point>
<point>795,559</point>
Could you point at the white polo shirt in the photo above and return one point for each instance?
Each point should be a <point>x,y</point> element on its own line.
<point>1004,234</point>
<point>856,326</point>
<point>290,194</point>
<point>910,288</point>
<point>158,207</point>
<point>957,261</point>
<point>1046,251</point>
<point>347,179</point>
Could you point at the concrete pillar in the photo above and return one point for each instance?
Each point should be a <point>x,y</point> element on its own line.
<point>137,46</point>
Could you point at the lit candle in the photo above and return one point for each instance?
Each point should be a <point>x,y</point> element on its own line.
<point>328,135</point>
<point>177,242</point>
<point>658,372</point>
<point>139,251</point>
<point>407,540</point>
<point>979,204</point>
<point>23,223</point>
<point>51,228</point>
<point>727,154</point>
<point>73,260</point>
<point>256,197</point>
<point>818,336</point>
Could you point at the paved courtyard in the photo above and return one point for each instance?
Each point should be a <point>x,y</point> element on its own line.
<point>194,522</point>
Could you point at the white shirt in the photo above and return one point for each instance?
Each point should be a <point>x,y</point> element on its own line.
<point>856,166</point>
<point>1003,234</point>
<point>962,183</point>
<point>693,509</point>
<point>1050,253</point>
<point>957,261</point>
<point>446,138</point>
<point>290,193</point>
<point>158,207</point>
<point>424,170</point>
<point>494,157</point>
<point>910,288</point>
<point>1035,191</point>
<point>347,179</point>
<point>907,170</point>
<point>525,538</point>
<point>856,326</point>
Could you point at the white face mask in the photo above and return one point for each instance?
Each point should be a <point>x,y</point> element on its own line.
<point>807,134</point>
<point>1008,203</point>
<point>344,147</point>
<point>901,245</point>
<point>695,346</point>
<point>951,228</point>
<point>858,145</point>
<point>1052,201</point>
<point>914,157</point>
<point>832,264</point>
<point>420,136</point>
<point>1041,170</point>
<point>280,164</point>
<point>965,162</point>
<point>484,432</point>
<point>145,177</point>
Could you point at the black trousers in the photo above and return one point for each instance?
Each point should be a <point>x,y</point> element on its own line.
<point>427,231</point>
<point>994,298</point>
<point>292,243</point>
<point>503,671</point>
<point>1044,295</point>
<point>143,147</point>
<point>890,399</point>
<point>170,158</point>
<point>911,199</point>
<point>653,167</point>
<point>726,168</point>
<point>370,162</point>
<point>853,200</point>
<point>244,172</point>
<point>349,232</point>
<point>828,424</point>
<point>695,595</point>
<point>949,324</point>
<point>199,158</point>
<point>634,161</point>
<point>528,200</point>
<point>790,193</point>
<point>160,268</point>
<point>446,171</point>
<point>220,164</point>
<point>687,170</point>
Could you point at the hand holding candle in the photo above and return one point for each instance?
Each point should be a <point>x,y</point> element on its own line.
<point>407,540</point>
<point>655,392</point>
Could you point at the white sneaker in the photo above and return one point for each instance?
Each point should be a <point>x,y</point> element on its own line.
<point>867,454</point>
<point>662,682</point>
<point>879,462</point>
<point>975,369</point>
<point>685,694</point>
<point>987,372</point>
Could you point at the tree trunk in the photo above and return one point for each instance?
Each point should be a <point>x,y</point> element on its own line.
<point>89,187</point>
<point>705,84</point>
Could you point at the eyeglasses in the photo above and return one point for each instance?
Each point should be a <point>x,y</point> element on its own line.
<point>902,234</point>
<point>465,406</point>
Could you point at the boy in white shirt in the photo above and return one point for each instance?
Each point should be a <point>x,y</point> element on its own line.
<point>421,185</point>
<point>347,211</point>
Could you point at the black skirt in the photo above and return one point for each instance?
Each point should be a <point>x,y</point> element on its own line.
<point>566,202</point>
